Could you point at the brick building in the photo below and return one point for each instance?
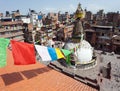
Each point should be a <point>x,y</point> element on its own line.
<point>116,44</point>
<point>68,32</point>
<point>28,32</point>
<point>113,18</point>
<point>100,15</point>
<point>1,15</point>
<point>90,36</point>
<point>64,33</point>
<point>64,17</point>
<point>12,29</point>
<point>89,16</point>
<point>103,37</point>
<point>51,19</point>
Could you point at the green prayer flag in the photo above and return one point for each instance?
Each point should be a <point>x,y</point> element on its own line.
<point>3,45</point>
<point>68,60</point>
<point>67,55</point>
<point>66,52</point>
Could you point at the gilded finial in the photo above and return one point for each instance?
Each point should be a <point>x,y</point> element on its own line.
<point>79,12</point>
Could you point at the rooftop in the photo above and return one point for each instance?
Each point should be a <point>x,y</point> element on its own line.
<point>90,76</point>
<point>89,30</point>
<point>98,26</point>
<point>36,77</point>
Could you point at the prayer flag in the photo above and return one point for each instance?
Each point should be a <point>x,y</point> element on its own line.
<point>49,53</point>
<point>43,52</point>
<point>23,53</point>
<point>66,52</point>
<point>67,55</point>
<point>59,53</point>
<point>3,45</point>
<point>52,53</point>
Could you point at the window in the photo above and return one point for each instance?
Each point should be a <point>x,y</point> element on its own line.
<point>55,14</point>
<point>6,27</point>
<point>118,40</point>
<point>103,34</point>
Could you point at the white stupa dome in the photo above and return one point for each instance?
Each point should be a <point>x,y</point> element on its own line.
<point>83,51</point>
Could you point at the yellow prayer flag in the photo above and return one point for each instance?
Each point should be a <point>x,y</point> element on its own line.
<point>59,53</point>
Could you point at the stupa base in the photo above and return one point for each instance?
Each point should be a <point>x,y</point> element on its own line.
<point>83,66</point>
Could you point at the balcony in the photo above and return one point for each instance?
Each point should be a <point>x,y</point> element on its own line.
<point>19,38</point>
<point>10,29</point>
<point>11,35</point>
<point>11,23</point>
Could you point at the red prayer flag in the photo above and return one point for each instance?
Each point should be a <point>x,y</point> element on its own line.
<point>23,53</point>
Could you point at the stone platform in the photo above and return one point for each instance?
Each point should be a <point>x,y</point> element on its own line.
<point>87,76</point>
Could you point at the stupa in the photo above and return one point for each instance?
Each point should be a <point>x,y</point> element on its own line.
<point>83,52</point>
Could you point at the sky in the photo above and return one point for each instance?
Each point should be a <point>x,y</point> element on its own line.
<point>59,5</point>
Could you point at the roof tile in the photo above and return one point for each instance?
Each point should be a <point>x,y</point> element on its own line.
<point>36,77</point>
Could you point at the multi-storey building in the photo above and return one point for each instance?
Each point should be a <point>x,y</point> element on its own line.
<point>68,32</point>
<point>103,37</point>
<point>36,18</point>
<point>28,32</point>
<point>53,16</point>
<point>51,20</point>
<point>1,15</point>
<point>64,33</point>
<point>90,36</point>
<point>64,17</point>
<point>11,29</point>
<point>89,16</point>
<point>116,44</point>
<point>113,18</point>
<point>100,15</point>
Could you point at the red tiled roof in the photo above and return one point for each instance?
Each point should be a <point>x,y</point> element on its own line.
<point>36,77</point>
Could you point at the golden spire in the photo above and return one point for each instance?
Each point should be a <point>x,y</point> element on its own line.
<point>79,12</point>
